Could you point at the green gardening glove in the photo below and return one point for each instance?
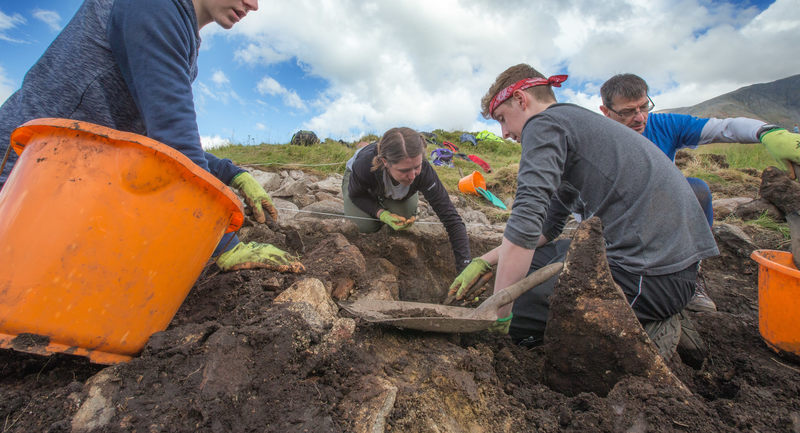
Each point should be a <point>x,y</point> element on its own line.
<point>783,146</point>
<point>253,255</point>
<point>395,221</point>
<point>476,269</point>
<point>501,325</point>
<point>255,196</point>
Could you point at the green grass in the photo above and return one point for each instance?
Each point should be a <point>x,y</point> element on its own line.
<point>740,155</point>
<point>765,221</point>
<point>272,157</point>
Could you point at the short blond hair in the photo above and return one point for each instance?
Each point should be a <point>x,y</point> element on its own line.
<point>511,76</point>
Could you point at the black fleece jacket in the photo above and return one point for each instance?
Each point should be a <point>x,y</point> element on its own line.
<point>366,190</point>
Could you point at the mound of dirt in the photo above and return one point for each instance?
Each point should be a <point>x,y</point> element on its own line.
<point>256,350</point>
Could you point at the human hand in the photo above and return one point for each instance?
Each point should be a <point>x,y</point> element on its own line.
<point>257,255</point>
<point>395,221</point>
<point>468,277</point>
<point>255,196</point>
<point>501,325</point>
<point>783,146</point>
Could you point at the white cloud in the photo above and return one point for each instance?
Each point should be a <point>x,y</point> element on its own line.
<point>219,78</point>
<point>211,142</point>
<point>426,64</point>
<point>7,23</point>
<point>268,86</point>
<point>51,18</point>
<point>7,87</point>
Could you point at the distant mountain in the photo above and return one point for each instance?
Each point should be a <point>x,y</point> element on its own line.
<point>777,102</point>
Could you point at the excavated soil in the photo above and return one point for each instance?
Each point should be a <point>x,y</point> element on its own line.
<point>232,360</point>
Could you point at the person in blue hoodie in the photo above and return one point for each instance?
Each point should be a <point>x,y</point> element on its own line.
<point>129,65</point>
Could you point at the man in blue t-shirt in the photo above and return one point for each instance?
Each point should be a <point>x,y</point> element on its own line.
<point>129,65</point>
<point>625,100</point>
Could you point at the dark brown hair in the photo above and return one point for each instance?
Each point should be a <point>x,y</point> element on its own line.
<point>398,144</point>
<point>627,86</point>
<point>511,76</point>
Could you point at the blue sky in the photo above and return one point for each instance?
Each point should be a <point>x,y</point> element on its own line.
<point>345,68</point>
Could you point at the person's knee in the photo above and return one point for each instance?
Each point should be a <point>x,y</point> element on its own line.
<point>701,190</point>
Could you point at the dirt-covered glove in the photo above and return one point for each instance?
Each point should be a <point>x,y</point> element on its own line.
<point>468,277</point>
<point>783,146</point>
<point>501,325</point>
<point>253,255</point>
<point>395,221</point>
<point>255,196</point>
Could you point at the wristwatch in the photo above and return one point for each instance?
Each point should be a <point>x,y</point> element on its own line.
<point>765,128</point>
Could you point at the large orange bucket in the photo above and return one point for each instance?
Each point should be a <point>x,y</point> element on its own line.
<point>468,183</point>
<point>778,301</point>
<point>102,235</point>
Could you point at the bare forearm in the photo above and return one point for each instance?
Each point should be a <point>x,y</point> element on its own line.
<point>513,263</point>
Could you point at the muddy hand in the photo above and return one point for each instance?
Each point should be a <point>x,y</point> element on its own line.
<point>396,222</point>
<point>468,277</point>
<point>255,196</point>
<point>253,255</point>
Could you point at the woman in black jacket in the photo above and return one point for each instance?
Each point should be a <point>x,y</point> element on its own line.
<point>382,180</point>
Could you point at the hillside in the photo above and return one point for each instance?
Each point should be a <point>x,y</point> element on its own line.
<point>776,102</point>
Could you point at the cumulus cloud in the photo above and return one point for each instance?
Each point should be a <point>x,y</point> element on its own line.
<point>7,23</point>
<point>426,64</point>
<point>51,18</point>
<point>269,86</point>
<point>211,142</point>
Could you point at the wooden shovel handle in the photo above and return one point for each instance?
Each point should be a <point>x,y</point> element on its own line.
<point>512,292</point>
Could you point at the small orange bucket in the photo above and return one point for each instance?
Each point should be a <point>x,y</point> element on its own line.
<point>778,301</point>
<point>102,235</point>
<point>468,183</point>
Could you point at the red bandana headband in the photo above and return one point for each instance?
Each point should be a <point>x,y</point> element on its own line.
<point>503,95</point>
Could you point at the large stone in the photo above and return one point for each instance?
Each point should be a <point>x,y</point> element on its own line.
<point>593,339</point>
<point>778,189</point>
<point>312,293</point>
<point>323,210</point>
<point>291,188</point>
<point>96,412</point>
<point>726,206</point>
<point>269,180</point>
<point>331,184</point>
<point>753,209</point>
<point>286,209</point>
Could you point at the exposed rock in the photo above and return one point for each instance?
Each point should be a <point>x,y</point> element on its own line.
<point>383,278</point>
<point>98,409</point>
<point>269,180</point>
<point>286,209</point>
<point>323,210</point>
<point>471,216</point>
<point>292,188</point>
<point>368,415</point>
<point>593,339</point>
<point>322,196</point>
<point>726,206</point>
<point>310,293</point>
<point>331,184</point>
<point>753,209</point>
<point>778,189</point>
<point>342,287</point>
<point>334,258</point>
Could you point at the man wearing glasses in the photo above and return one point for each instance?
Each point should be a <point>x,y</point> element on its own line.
<point>625,100</point>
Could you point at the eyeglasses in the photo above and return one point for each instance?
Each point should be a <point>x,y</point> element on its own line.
<point>630,112</point>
